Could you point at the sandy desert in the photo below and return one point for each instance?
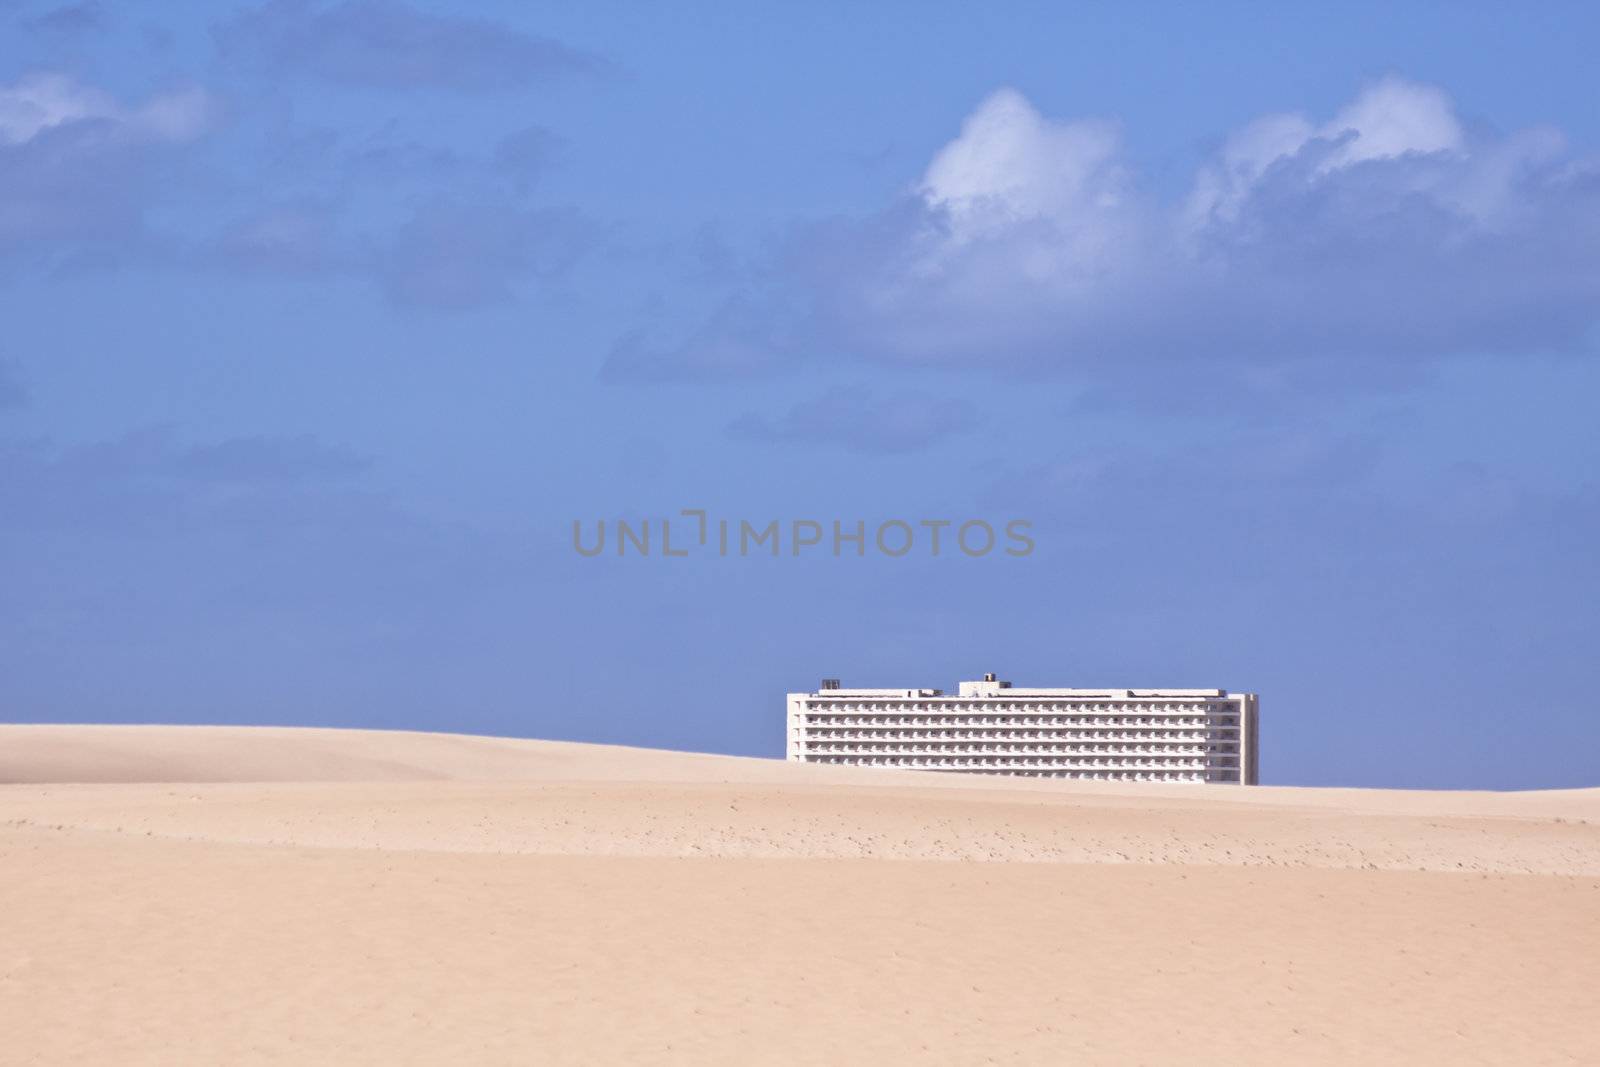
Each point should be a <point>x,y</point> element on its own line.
<point>189,895</point>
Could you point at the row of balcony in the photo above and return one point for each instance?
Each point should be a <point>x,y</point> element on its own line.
<point>989,707</point>
<point>1065,763</point>
<point>932,736</point>
<point>1049,752</point>
<point>1100,774</point>
<point>947,721</point>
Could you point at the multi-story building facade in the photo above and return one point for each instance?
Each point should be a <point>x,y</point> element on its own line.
<point>992,727</point>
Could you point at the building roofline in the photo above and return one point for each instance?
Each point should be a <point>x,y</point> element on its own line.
<point>994,689</point>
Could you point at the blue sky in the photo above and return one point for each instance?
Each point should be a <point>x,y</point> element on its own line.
<point>323,323</point>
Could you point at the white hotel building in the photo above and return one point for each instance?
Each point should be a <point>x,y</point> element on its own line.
<point>991,727</point>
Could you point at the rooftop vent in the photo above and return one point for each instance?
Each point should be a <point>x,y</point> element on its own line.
<point>830,683</point>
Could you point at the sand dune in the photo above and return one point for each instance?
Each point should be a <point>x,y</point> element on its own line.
<point>185,894</point>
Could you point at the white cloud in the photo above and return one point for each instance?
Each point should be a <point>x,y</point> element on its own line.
<point>41,102</point>
<point>1012,167</point>
<point>1011,164</point>
<point>1387,120</point>
<point>1386,228</point>
<point>1392,118</point>
<point>1390,232</point>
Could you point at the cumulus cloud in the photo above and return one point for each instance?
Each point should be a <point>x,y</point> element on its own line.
<point>1010,168</point>
<point>860,420</point>
<point>1389,121</point>
<point>389,45</point>
<point>1392,231</point>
